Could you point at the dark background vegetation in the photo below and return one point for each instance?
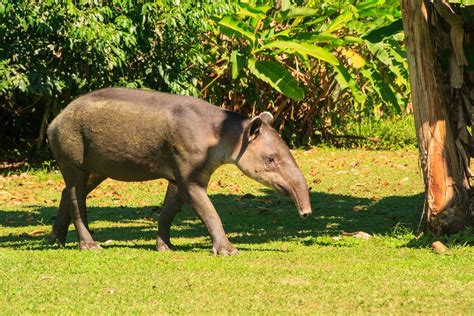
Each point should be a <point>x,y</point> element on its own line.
<point>343,62</point>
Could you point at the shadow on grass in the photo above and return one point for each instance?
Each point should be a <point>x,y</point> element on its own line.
<point>247,219</point>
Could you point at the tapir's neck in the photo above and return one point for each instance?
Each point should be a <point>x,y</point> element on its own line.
<point>233,139</point>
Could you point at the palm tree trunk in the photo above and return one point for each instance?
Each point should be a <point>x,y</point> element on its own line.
<point>441,111</point>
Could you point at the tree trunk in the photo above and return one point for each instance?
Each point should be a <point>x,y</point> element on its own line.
<point>44,125</point>
<point>442,107</point>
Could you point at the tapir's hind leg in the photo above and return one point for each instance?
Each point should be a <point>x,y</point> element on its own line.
<point>63,218</point>
<point>93,181</point>
<point>171,206</point>
<point>76,185</point>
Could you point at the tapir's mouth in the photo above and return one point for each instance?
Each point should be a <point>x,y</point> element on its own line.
<point>282,190</point>
<point>291,193</point>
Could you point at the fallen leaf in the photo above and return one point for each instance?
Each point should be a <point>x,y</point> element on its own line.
<point>358,234</point>
<point>37,232</point>
<point>360,208</point>
<point>404,166</point>
<point>354,164</point>
<point>264,210</point>
<point>402,181</point>
<point>247,196</point>
<point>17,202</point>
<point>108,242</point>
<point>284,248</point>
<point>34,233</point>
<point>46,277</point>
<point>235,189</point>
<point>439,247</point>
<point>111,291</point>
<point>264,200</point>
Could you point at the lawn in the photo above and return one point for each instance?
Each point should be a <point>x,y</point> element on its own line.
<point>286,264</point>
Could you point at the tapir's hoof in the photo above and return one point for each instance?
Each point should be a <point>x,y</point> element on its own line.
<point>52,238</point>
<point>89,245</point>
<point>57,237</point>
<point>225,250</point>
<point>162,245</point>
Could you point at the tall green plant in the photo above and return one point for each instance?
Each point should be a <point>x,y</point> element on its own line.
<point>321,54</point>
<point>52,51</point>
<point>316,66</point>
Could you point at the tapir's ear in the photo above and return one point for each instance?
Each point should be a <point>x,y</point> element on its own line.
<point>267,117</point>
<point>254,128</point>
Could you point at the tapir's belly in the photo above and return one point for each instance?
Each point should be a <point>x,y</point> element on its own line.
<point>133,172</point>
<point>126,162</point>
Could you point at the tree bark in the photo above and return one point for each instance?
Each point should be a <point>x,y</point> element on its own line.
<point>439,114</point>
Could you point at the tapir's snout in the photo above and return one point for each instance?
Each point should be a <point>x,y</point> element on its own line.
<point>299,193</point>
<point>303,204</point>
<point>305,213</point>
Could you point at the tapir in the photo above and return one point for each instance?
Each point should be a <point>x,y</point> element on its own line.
<point>138,135</point>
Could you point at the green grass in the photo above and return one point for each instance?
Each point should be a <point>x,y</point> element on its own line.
<point>389,133</point>
<point>286,264</point>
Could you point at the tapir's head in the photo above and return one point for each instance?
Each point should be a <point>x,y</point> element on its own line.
<point>266,158</point>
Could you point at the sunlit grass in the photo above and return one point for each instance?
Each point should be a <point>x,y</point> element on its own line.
<point>286,264</point>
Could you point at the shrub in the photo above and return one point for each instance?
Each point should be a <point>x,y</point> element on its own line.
<point>317,67</point>
<point>52,51</point>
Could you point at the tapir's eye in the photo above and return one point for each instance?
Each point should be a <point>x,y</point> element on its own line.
<point>269,160</point>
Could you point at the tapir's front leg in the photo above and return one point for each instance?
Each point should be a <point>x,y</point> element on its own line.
<point>203,207</point>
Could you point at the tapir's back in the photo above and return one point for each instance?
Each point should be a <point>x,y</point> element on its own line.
<point>123,132</point>
<point>131,101</point>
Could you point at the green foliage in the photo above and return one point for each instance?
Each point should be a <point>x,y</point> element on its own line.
<point>327,63</point>
<point>52,51</point>
<point>316,65</point>
<point>277,76</point>
<point>463,2</point>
